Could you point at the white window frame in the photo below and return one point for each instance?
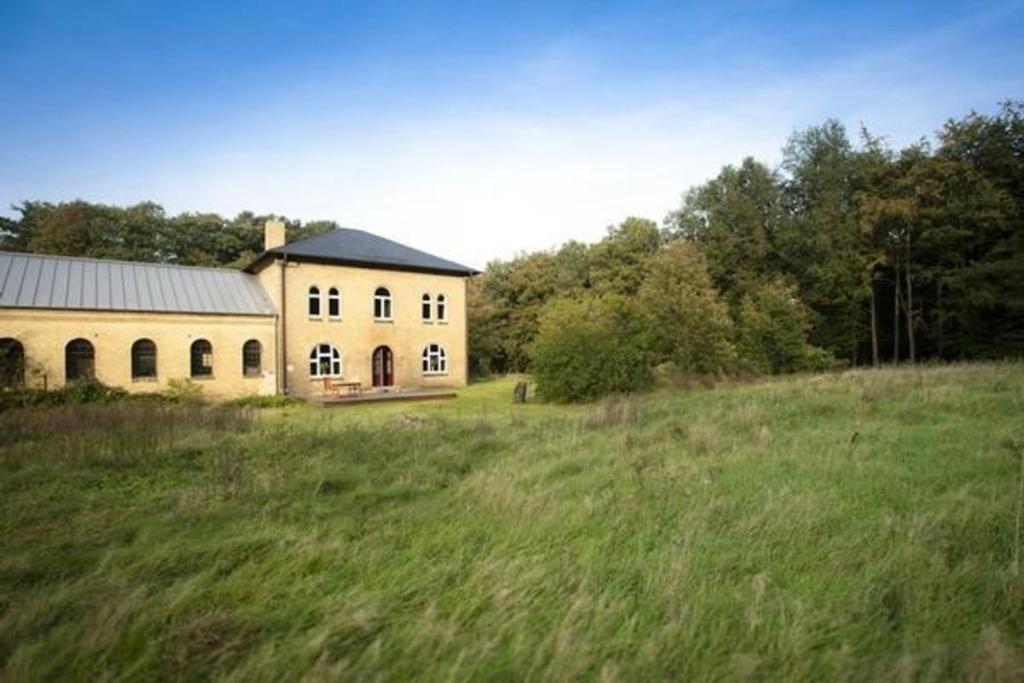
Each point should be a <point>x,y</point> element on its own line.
<point>442,308</point>
<point>310,296</point>
<point>325,353</point>
<point>333,294</point>
<point>426,306</point>
<point>434,361</point>
<point>387,304</point>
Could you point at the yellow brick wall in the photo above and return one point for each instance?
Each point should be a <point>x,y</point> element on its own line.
<point>45,333</point>
<point>357,334</point>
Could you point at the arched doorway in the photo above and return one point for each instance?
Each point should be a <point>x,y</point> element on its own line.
<point>383,367</point>
<point>12,363</point>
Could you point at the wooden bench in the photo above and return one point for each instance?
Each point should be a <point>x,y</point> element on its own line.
<point>337,387</point>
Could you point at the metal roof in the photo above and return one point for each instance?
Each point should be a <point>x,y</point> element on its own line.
<point>65,282</point>
<point>360,248</point>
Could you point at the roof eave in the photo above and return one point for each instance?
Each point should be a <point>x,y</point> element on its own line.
<point>260,260</point>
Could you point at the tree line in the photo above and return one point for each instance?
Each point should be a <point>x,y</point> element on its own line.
<point>860,252</point>
<point>143,232</point>
<point>849,252</point>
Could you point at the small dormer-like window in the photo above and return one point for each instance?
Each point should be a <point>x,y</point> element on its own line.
<point>382,304</point>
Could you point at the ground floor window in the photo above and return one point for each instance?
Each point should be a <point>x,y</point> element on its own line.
<point>143,359</point>
<point>79,360</point>
<point>12,363</point>
<point>435,360</point>
<point>251,358</point>
<point>202,358</point>
<point>324,361</point>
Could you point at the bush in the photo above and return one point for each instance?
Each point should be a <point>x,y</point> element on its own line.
<point>590,348</point>
<point>274,401</point>
<point>183,391</point>
<point>75,393</point>
<point>771,332</point>
<point>689,324</point>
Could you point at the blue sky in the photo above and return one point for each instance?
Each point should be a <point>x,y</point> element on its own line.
<point>467,129</point>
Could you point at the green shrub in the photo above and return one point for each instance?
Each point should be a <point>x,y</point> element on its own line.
<point>75,393</point>
<point>590,348</point>
<point>183,391</point>
<point>688,324</point>
<point>274,401</point>
<point>772,325</point>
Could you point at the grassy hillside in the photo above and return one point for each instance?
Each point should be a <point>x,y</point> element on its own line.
<point>861,526</point>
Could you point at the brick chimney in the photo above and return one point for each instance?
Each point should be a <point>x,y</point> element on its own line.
<point>273,234</point>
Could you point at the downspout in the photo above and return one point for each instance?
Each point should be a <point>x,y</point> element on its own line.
<point>284,328</point>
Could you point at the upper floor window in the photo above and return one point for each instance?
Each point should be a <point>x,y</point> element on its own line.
<point>144,359</point>
<point>333,303</point>
<point>252,361</point>
<point>324,361</point>
<point>435,360</point>
<point>12,363</point>
<point>425,309</point>
<point>202,358</point>
<point>442,309</point>
<point>79,360</point>
<point>314,302</point>
<point>382,304</point>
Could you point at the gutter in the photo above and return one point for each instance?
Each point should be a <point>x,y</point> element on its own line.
<point>284,327</point>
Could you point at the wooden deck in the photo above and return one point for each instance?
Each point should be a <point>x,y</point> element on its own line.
<point>384,396</point>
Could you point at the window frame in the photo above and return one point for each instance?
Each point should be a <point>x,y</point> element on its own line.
<point>426,308</point>
<point>431,353</point>
<point>441,305</point>
<point>12,363</point>
<point>245,359</point>
<point>193,374</point>
<point>91,372</point>
<point>329,353</point>
<point>313,296</point>
<point>334,301</point>
<point>386,304</point>
<point>137,360</point>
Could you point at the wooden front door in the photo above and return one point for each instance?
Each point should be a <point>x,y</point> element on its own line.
<point>383,367</point>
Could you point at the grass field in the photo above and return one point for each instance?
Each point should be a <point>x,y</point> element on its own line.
<point>861,526</point>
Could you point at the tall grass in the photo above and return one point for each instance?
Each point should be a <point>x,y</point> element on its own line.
<point>859,526</point>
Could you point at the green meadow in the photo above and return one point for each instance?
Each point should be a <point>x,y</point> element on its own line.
<point>864,525</point>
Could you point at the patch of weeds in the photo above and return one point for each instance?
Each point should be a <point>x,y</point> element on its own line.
<point>614,411</point>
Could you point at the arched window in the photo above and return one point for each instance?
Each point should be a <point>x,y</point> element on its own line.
<point>252,358</point>
<point>79,360</point>
<point>425,308</point>
<point>144,359</point>
<point>333,303</point>
<point>202,358</point>
<point>324,361</point>
<point>435,360</point>
<point>442,311</point>
<point>382,304</point>
<point>314,302</point>
<point>12,363</point>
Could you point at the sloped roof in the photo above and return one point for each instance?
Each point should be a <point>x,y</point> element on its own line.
<point>65,282</point>
<point>359,248</point>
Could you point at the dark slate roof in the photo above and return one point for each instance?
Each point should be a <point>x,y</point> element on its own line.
<point>359,248</point>
<point>65,282</point>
